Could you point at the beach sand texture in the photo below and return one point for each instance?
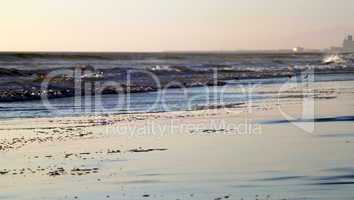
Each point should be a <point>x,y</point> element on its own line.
<point>243,152</point>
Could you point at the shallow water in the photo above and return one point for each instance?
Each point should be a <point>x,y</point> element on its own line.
<point>168,100</point>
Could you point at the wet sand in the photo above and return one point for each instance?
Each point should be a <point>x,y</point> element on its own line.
<point>240,152</point>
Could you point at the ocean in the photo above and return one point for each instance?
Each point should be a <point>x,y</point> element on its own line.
<point>239,71</point>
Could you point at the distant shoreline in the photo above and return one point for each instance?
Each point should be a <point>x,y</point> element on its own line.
<point>83,53</point>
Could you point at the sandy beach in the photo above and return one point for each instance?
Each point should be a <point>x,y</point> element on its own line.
<point>248,151</point>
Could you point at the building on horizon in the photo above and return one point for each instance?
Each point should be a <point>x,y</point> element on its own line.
<point>298,50</point>
<point>348,44</point>
<point>335,49</point>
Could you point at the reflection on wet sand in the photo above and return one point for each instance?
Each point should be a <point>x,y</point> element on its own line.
<point>106,157</point>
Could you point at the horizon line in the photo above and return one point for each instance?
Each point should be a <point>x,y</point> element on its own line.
<point>167,51</point>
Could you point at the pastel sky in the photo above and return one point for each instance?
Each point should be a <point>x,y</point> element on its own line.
<point>162,25</point>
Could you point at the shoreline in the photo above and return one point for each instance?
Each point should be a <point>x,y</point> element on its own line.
<point>24,94</point>
<point>195,107</point>
<point>289,99</point>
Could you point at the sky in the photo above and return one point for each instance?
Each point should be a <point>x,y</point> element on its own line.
<point>172,25</point>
